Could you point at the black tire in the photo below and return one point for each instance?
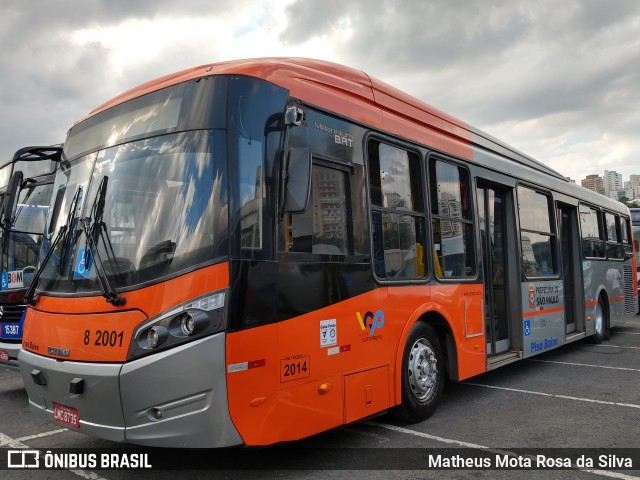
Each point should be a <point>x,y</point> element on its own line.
<point>422,375</point>
<point>600,322</point>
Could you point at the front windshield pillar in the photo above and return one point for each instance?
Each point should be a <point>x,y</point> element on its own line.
<point>256,125</point>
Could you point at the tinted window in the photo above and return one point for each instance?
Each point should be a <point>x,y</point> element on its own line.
<point>395,178</point>
<point>254,137</point>
<point>612,229</point>
<point>322,228</point>
<point>626,237</point>
<point>397,211</point>
<point>451,221</point>
<point>591,231</point>
<point>536,233</point>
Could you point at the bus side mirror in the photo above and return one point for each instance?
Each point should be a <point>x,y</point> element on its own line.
<point>11,199</point>
<point>297,180</point>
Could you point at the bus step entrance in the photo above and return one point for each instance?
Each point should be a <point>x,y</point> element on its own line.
<point>504,359</point>
<point>572,337</point>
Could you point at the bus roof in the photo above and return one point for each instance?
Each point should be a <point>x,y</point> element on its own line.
<point>355,94</point>
<point>360,97</point>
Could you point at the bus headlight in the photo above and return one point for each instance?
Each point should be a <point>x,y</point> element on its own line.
<point>187,324</point>
<point>189,321</point>
<point>155,336</point>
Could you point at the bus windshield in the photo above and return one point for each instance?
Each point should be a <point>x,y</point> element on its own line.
<point>152,208</point>
<point>21,243</point>
<point>25,237</point>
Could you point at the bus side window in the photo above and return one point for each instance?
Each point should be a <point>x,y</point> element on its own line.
<point>591,232</point>
<point>397,211</point>
<point>537,233</point>
<point>451,221</point>
<point>612,229</point>
<point>322,228</point>
<point>625,229</point>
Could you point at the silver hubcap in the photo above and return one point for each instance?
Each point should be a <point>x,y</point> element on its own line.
<point>422,369</point>
<point>599,319</point>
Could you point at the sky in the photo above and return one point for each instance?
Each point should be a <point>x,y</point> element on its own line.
<point>559,81</point>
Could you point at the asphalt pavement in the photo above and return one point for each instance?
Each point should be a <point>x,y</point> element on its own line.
<point>579,399</point>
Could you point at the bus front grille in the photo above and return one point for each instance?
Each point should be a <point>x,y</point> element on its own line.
<point>11,313</point>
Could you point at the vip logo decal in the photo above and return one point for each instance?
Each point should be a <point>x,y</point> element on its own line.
<point>370,323</point>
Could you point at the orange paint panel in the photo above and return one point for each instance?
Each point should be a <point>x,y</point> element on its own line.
<point>101,337</point>
<point>462,307</point>
<point>151,300</point>
<point>366,393</point>
<point>362,333</point>
<point>300,339</point>
<point>303,410</point>
<point>110,328</point>
<point>256,424</point>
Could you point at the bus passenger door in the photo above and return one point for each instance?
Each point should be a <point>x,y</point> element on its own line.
<point>492,214</point>
<point>571,268</point>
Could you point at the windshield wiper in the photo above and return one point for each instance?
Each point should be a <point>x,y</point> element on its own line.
<point>28,296</point>
<point>24,200</point>
<point>70,241</point>
<point>98,230</point>
<point>62,233</point>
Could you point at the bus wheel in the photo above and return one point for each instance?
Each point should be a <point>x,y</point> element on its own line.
<point>422,374</point>
<point>600,320</point>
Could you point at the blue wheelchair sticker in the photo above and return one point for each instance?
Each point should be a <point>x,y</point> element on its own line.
<point>84,262</point>
<point>527,328</point>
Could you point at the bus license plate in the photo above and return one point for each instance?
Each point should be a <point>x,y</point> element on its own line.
<point>67,415</point>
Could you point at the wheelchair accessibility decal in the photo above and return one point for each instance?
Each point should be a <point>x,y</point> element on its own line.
<point>84,262</point>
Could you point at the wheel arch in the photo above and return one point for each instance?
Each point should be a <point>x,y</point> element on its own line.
<point>430,315</point>
<point>606,308</point>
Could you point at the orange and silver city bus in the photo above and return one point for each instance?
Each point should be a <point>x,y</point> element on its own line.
<point>256,251</point>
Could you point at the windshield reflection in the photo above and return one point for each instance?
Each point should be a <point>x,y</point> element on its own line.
<point>155,207</point>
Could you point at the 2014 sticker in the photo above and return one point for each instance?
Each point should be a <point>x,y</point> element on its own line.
<point>293,367</point>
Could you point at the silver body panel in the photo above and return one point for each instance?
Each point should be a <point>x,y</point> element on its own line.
<point>175,398</point>
<point>13,349</point>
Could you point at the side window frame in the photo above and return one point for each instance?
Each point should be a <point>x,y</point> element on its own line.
<point>594,211</point>
<point>416,213</point>
<point>285,249</point>
<point>552,233</point>
<point>627,243</point>
<point>613,247</point>
<point>467,222</point>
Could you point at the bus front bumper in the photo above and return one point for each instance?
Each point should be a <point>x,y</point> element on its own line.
<point>9,354</point>
<point>176,398</point>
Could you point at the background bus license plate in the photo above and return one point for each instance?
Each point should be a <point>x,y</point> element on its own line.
<point>67,415</point>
